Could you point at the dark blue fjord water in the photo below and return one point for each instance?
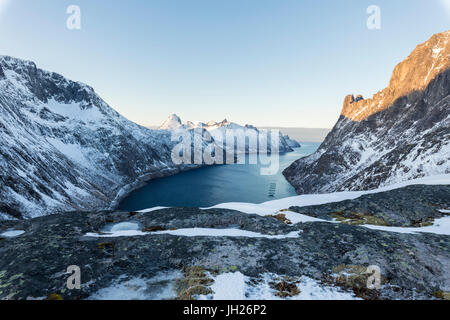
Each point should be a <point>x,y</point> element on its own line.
<point>212,185</point>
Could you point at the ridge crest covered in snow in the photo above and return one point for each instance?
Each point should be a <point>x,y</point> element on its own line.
<point>64,149</point>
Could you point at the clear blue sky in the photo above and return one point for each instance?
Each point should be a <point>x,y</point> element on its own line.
<point>265,62</point>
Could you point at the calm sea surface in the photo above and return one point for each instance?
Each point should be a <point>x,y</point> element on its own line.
<point>212,185</point>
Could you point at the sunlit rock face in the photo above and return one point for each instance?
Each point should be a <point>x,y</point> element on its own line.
<point>400,134</point>
<point>411,75</point>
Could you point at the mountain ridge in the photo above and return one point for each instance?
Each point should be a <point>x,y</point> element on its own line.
<point>174,123</point>
<point>64,149</point>
<point>406,140</point>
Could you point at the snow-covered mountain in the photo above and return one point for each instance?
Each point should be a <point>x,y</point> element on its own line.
<point>401,133</point>
<point>174,123</point>
<point>291,142</point>
<point>62,148</point>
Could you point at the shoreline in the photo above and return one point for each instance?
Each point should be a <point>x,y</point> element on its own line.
<point>140,181</point>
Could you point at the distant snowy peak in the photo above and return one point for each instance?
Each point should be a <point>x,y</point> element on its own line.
<point>291,142</point>
<point>174,123</point>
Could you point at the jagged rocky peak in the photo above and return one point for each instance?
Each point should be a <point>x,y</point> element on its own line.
<point>190,124</point>
<point>174,117</point>
<point>291,142</point>
<point>413,74</point>
<point>173,122</point>
<point>399,134</point>
<point>44,85</point>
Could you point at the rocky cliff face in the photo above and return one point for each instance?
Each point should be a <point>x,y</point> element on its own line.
<point>62,148</point>
<point>414,74</point>
<point>401,133</point>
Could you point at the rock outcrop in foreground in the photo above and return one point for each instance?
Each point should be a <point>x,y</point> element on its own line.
<point>402,133</point>
<point>162,257</point>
